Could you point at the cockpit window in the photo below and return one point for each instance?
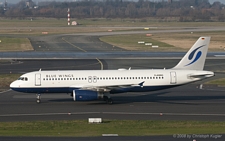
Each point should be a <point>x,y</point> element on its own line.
<point>20,78</point>
<point>23,78</point>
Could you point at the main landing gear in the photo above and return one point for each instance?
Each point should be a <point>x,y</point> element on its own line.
<point>38,98</point>
<point>108,100</point>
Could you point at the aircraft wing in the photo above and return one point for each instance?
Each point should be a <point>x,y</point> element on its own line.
<point>107,88</point>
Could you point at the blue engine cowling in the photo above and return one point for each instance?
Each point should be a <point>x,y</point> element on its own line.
<point>86,95</point>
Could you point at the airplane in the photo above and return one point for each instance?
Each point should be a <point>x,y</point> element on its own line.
<point>87,85</point>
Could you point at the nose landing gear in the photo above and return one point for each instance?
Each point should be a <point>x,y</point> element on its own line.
<point>38,98</point>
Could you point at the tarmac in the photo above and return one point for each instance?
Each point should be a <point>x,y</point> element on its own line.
<point>67,52</point>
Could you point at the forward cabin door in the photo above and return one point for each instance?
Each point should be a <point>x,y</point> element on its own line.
<point>37,79</point>
<point>173,77</point>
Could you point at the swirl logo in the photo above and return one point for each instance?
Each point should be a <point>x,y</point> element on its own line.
<point>198,55</point>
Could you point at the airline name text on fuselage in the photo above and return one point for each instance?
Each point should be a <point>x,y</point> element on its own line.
<point>59,75</point>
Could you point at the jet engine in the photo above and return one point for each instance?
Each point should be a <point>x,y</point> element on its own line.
<point>86,95</point>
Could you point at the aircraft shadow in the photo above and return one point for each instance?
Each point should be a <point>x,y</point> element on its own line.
<point>156,97</point>
<point>161,97</point>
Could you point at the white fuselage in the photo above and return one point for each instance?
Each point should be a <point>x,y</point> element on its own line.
<point>113,81</point>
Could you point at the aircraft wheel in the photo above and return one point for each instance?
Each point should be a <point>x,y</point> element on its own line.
<point>38,101</point>
<point>105,98</point>
<point>38,98</point>
<point>110,101</point>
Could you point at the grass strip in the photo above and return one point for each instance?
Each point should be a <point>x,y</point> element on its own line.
<point>81,128</point>
<point>6,79</point>
<point>15,44</point>
<point>130,42</point>
<point>220,82</point>
<point>62,22</point>
<point>166,41</point>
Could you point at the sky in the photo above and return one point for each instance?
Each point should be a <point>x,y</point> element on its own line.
<point>16,1</point>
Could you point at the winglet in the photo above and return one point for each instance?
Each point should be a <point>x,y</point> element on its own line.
<point>195,57</point>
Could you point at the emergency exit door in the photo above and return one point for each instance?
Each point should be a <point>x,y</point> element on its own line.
<point>92,79</point>
<point>173,78</point>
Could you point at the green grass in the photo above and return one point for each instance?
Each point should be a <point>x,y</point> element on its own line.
<point>166,41</point>
<point>15,44</point>
<point>36,22</point>
<point>148,22</point>
<point>62,22</point>
<point>130,42</point>
<point>6,79</point>
<point>120,127</point>
<point>59,26</point>
<point>220,82</point>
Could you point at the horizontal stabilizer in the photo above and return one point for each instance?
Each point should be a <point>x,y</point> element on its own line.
<point>202,74</point>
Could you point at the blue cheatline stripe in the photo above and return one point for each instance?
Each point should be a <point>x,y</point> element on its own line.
<point>70,90</point>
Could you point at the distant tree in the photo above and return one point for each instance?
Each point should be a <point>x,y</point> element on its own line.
<point>131,10</point>
<point>185,10</point>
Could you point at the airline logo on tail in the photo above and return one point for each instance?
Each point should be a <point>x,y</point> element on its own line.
<point>198,55</point>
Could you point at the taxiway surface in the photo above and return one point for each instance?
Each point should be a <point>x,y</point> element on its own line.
<point>182,103</point>
<point>88,46</point>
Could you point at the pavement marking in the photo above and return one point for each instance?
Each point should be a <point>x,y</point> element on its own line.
<point>171,114</point>
<point>83,51</point>
<point>164,114</point>
<point>219,55</point>
<point>74,45</point>
<point>5,91</point>
<point>46,114</point>
<point>112,113</point>
<point>87,55</point>
<point>100,63</point>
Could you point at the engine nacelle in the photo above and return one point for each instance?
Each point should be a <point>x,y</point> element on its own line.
<point>86,95</point>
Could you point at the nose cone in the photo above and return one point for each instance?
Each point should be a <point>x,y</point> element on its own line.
<point>16,86</point>
<point>13,85</point>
